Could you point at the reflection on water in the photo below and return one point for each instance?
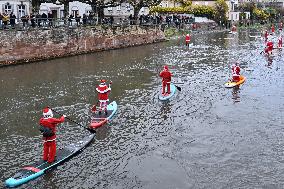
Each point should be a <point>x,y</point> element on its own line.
<point>269,61</point>
<point>194,140</point>
<point>236,94</point>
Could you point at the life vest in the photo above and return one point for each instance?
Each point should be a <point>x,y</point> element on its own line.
<point>46,131</point>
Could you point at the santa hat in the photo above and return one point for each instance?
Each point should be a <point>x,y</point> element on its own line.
<point>187,34</point>
<point>103,80</point>
<point>47,113</point>
<point>166,67</point>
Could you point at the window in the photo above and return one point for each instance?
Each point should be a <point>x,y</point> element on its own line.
<point>128,8</point>
<point>8,8</point>
<point>21,10</point>
<point>75,10</point>
<point>118,8</point>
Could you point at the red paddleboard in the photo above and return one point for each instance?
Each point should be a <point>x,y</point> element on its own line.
<point>99,120</point>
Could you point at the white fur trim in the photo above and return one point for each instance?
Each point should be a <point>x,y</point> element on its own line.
<point>48,114</point>
<point>104,100</point>
<point>104,91</point>
<point>49,140</point>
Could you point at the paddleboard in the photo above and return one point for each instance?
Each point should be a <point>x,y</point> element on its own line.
<point>231,84</point>
<point>167,96</point>
<point>99,120</point>
<point>37,169</point>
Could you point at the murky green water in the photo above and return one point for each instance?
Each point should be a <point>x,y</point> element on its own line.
<point>205,137</point>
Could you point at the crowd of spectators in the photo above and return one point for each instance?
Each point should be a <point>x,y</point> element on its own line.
<point>47,20</point>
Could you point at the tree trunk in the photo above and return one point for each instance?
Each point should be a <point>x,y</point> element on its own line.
<point>136,13</point>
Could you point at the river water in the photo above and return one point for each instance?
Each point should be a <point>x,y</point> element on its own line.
<point>205,137</point>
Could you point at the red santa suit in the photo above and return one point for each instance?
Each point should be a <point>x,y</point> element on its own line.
<point>167,76</point>
<point>269,47</point>
<point>280,42</point>
<point>49,145</point>
<point>187,39</point>
<point>272,29</point>
<point>280,26</point>
<point>103,91</point>
<point>236,72</point>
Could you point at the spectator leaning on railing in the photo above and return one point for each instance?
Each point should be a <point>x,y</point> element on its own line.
<point>50,19</point>
<point>12,20</point>
<point>78,18</point>
<point>5,20</point>
<point>32,19</point>
<point>1,20</point>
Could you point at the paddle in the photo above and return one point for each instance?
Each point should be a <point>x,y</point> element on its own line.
<point>91,130</point>
<point>178,88</point>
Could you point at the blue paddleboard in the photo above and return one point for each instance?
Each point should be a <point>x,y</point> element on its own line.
<point>167,96</point>
<point>37,169</point>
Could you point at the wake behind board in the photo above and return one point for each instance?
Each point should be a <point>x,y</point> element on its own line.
<point>231,84</point>
<point>39,168</point>
<point>167,96</point>
<point>99,120</point>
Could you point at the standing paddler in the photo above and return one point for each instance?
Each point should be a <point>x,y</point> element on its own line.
<point>166,81</point>
<point>187,40</point>
<point>280,41</point>
<point>265,35</point>
<point>48,129</point>
<point>103,91</point>
<point>236,72</point>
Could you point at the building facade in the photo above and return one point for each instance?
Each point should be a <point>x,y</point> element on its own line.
<point>18,7</point>
<point>56,10</point>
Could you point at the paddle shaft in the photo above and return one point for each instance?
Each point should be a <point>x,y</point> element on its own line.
<point>73,121</point>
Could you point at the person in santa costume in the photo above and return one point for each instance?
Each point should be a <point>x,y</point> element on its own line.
<point>48,128</point>
<point>103,91</point>
<point>236,72</point>
<point>266,35</point>
<point>234,28</point>
<point>280,26</point>
<point>272,28</point>
<point>187,39</point>
<point>269,47</point>
<point>280,41</point>
<point>166,81</point>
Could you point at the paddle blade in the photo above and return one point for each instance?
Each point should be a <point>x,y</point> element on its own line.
<point>178,88</point>
<point>94,108</point>
<point>91,130</point>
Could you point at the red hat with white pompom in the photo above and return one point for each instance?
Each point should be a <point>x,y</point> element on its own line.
<point>47,113</point>
<point>166,67</point>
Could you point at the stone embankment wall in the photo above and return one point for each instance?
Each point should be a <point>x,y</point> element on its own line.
<point>33,45</point>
